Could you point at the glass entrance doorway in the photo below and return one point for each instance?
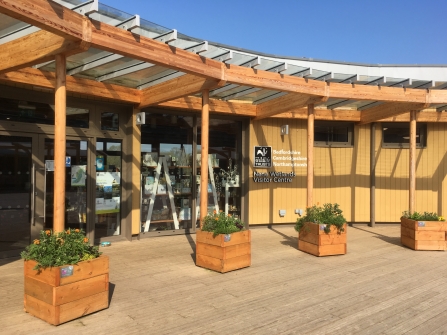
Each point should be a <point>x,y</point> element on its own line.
<point>75,184</point>
<point>16,178</point>
<point>27,184</point>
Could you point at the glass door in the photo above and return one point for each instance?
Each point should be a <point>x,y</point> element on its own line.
<point>16,185</point>
<point>75,184</point>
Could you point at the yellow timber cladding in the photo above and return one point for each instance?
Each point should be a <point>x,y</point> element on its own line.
<point>342,175</point>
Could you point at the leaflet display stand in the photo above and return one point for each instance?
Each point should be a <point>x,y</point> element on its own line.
<point>161,161</point>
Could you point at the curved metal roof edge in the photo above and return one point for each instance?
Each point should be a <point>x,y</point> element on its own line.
<point>226,46</point>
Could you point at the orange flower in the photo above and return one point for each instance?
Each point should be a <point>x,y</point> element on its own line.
<point>85,239</point>
<point>214,212</point>
<point>221,211</point>
<point>48,232</point>
<point>36,242</point>
<point>229,215</point>
<point>217,219</point>
<point>68,232</point>
<point>77,230</point>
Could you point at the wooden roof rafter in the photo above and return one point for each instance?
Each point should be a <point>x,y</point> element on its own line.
<point>57,19</point>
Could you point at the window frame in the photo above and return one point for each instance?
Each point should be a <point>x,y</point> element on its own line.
<point>421,130</point>
<point>334,124</point>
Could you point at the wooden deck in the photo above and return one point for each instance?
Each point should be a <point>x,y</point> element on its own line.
<point>378,287</point>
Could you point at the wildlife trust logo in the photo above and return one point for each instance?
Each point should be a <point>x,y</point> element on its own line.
<point>263,157</point>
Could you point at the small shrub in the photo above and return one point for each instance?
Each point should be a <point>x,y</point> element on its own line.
<point>67,247</point>
<point>426,216</point>
<point>219,223</point>
<point>329,214</point>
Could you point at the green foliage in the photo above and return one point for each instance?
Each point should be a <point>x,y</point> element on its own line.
<point>426,216</point>
<point>68,247</point>
<point>219,223</point>
<point>329,214</point>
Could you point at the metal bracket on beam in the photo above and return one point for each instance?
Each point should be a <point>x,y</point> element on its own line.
<point>131,23</point>
<point>253,63</point>
<point>441,87</point>
<point>87,8</point>
<point>167,37</point>
<point>303,73</point>
<point>326,77</point>
<point>198,48</point>
<point>428,85</point>
<point>441,108</point>
<point>350,80</point>
<point>403,83</point>
<point>226,56</point>
<point>377,82</point>
<point>278,68</point>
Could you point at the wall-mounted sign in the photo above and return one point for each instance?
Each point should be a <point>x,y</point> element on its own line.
<point>273,177</point>
<point>263,157</point>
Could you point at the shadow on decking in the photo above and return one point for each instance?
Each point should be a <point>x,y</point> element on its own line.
<point>290,241</point>
<point>193,247</point>
<point>389,239</point>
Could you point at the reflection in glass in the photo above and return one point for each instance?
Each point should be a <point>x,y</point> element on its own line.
<point>166,197</point>
<point>108,188</point>
<point>15,174</point>
<point>36,112</point>
<point>109,121</point>
<point>75,185</point>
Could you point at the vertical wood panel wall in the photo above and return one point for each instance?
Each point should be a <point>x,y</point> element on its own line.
<point>392,176</point>
<point>341,174</point>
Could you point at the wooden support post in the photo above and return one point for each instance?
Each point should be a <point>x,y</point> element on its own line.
<point>136,174</point>
<point>59,144</point>
<point>204,157</point>
<point>372,163</point>
<point>310,153</point>
<point>412,161</point>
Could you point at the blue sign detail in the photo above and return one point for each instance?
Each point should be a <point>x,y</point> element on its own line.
<point>421,224</point>
<point>67,161</point>
<point>227,237</point>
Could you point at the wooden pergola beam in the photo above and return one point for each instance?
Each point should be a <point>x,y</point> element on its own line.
<point>288,102</point>
<point>59,20</point>
<point>45,79</point>
<point>35,48</point>
<point>215,106</point>
<point>49,16</point>
<point>387,110</point>
<point>420,117</point>
<point>176,88</point>
<point>323,114</point>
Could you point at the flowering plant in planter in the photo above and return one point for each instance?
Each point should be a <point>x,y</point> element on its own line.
<point>56,249</point>
<point>329,215</point>
<point>219,223</point>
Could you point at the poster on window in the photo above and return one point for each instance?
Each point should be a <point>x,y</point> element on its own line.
<point>108,192</point>
<point>78,175</point>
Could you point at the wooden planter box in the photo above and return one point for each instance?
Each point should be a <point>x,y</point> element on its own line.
<point>223,255</point>
<point>55,296</point>
<point>423,235</point>
<point>313,240</point>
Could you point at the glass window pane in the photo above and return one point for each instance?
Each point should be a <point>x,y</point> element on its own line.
<point>36,112</point>
<point>109,121</point>
<point>108,189</point>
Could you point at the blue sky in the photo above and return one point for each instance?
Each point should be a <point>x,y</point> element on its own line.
<point>362,31</point>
